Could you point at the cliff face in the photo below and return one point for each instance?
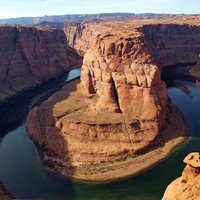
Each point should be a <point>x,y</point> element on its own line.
<point>80,36</point>
<point>30,55</point>
<point>188,185</point>
<point>166,43</point>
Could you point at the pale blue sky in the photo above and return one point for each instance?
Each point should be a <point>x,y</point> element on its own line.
<point>19,8</point>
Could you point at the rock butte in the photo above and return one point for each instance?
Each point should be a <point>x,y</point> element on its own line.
<point>31,55</point>
<point>188,185</point>
<point>118,120</point>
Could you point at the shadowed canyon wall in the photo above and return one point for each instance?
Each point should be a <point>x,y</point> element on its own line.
<point>171,44</point>
<point>165,42</point>
<point>29,56</point>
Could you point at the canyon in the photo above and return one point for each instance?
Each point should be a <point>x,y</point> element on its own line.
<point>29,56</point>
<point>117,121</point>
<point>120,109</point>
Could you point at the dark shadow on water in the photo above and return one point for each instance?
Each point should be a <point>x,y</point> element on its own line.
<point>181,86</point>
<point>55,144</point>
<point>20,169</point>
<point>13,112</point>
<point>177,71</point>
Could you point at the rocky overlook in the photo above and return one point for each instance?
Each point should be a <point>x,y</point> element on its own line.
<point>111,120</point>
<point>187,186</point>
<point>29,56</point>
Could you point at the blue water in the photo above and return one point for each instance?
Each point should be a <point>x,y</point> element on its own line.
<point>25,178</point>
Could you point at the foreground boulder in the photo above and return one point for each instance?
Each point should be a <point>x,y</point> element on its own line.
<point>186,187</point>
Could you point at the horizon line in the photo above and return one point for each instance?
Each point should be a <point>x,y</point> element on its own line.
<point>138,13</point>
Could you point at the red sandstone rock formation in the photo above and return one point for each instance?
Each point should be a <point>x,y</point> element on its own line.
<point>30,55</point>
<point>171,44</point>
<point>122,80</point>
<point>186,187</point>
<point>168,41</point>
<point>80,36</point>
<point>121,105</point>
<point>124,109</point>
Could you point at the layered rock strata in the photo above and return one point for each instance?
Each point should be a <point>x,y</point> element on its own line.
<point>29,56</point>
<point>188,185</point>
<point>121,81</point>
<point>95,129</point>
<point>168,41</point>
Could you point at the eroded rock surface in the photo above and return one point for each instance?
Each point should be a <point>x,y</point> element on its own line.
<point>29,56</point>
<point>123,82</point>
<point>188,185</point>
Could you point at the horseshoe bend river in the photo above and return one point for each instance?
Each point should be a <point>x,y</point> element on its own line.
<point>26,178</point>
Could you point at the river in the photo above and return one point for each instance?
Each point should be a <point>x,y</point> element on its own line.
<point>26,178</point>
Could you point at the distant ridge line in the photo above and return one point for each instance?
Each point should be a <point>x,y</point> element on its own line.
<point>60,18</point>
